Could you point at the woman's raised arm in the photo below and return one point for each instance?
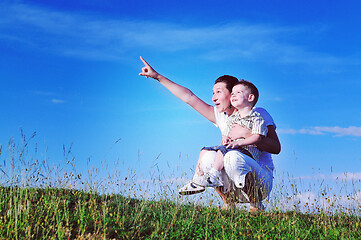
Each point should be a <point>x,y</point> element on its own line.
<point>181,92</point>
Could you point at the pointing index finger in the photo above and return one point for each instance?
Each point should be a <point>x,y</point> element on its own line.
<point>145,63</point>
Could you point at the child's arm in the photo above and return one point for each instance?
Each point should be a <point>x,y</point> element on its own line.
<point>253,139</point>
<point>237,132</point>
<point>259,130</point>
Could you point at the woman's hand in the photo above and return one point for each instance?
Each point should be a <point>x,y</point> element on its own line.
<point>180,92</point>
<point>148,71</point>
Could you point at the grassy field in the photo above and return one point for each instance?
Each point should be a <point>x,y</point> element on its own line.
<point>27,213</point>
<point>39,201</point>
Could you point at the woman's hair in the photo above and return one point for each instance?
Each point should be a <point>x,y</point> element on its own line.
<point>230,81</point>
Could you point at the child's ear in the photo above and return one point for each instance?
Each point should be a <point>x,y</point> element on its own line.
<point>251,98</point>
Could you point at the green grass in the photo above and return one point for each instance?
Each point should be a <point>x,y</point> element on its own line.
<point>27,213</point>
<point>39,201</point>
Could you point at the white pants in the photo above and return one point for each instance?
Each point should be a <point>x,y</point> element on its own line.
<point>236,166</point>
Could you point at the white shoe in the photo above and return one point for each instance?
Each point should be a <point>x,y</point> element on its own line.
<point>214,178</point>
<point>200,180</point>
<point>213,181</point>
<point>191,188</point>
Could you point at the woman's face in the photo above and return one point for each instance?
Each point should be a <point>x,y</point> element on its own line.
<point>221,97</point>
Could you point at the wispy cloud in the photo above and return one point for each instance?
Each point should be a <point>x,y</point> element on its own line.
<point>347,176</point>
<point>170,181</point>
<point>96,37</point>
<point>278,99</point>
<point>54,97</point>
<point>57,101</point>
<point>44,93</point>
<point>309,202</point>
<point>337,131</point>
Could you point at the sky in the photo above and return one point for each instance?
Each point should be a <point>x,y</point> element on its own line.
<point>69,72</point>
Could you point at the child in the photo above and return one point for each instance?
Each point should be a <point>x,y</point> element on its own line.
<point>244,97</point>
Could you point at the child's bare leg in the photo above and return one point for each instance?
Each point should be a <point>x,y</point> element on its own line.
<point>218,162</point>
<point>199,170</point>
<point>215,175</point>
<point>199,180</point>
<point>204,164</point>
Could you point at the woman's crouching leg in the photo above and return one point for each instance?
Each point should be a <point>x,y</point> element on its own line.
<point>248,176</point>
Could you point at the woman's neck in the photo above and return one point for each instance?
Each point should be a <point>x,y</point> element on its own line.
<point>244,111</point>
<point>230,110</point>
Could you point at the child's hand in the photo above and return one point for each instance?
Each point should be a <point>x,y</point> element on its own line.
<point>235,144</point>
<point>226,140</point>
<point>148,71</point>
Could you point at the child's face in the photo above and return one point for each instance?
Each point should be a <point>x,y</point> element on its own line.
<point>221,96</point>
<point>240,96</point>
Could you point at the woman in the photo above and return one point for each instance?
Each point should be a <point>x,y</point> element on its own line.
<point>218,115</point>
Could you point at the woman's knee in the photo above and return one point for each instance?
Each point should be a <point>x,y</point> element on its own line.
<point>234,157</point>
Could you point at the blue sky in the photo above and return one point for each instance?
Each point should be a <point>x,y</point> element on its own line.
<point>69,72</point>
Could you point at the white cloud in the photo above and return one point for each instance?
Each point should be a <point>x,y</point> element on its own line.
<point>44,93</point>
<point>278,99</point>
<point>310,202</point>
<point>53,95</point>
<point>350,131</point>
<point>57,101</point>
<point>174,180</point>
<point>298,131</point>
<point>347,176</point>
<point>94,37</point>
<point>337,131</point>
